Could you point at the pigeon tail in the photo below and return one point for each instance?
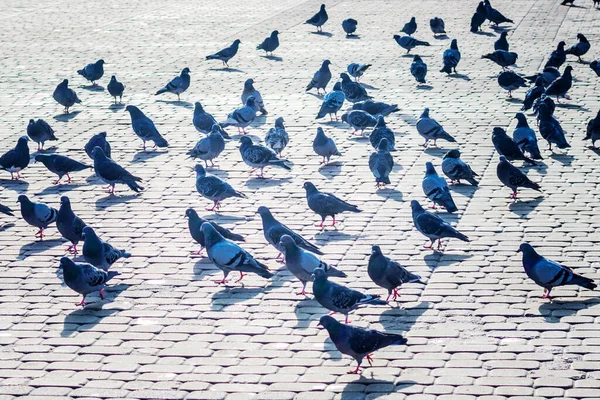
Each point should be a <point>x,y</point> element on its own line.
<point>472,181</point>
<point>281,163</point>
<point>160,141</point>
<point>124,254</point>
<point>445,135</point>
<point>447,69</point>
<point>372,299</point>
<point>112,274</point>
<point>583,282</point>
<point>161,91</point>
<point>236,237</point>
<point>133,185</point>
<point>260,270</point>
<point>336,273</point>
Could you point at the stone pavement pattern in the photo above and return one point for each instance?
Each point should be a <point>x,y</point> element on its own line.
<point>477,330</point>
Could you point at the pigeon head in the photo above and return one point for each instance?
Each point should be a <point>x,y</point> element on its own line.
<point>286,241</point>
<point>245,140</point>
<point>376,250</point>
<point>113,78</point>
<point>515,55</point>
<point>250,101</point>
<point>133,110</point>
<point>384,145</point>
<point>425,113</point>
<point>98,153</point>
<point>237,42</point>
<point>249,84</point>
<point>581,37</point>
<point>520,117</point>
<point>41,157</point>
<point>337,86</point>
<point>345,77</point>
<point>185,71</point>
<point>415,206</point>
<point>65,82</point>
<point>22,141</point>
<point>65,200</point>
<point>274,33</point>
<point>561,45</point>
<point>100,62</point>
<point>454,44</point>
<point>539,81</point>
<point>328,322</point>
<point>320,132</point>
<point>568,70</point>
<point>417,58</point>
<point>200,170</point>
<point>544,110</point>
<point>529,253</point>
<point>319,274</point>
<point>322,7</point>
<point>279,122</point>
<point>31,122</point>
<point>264,212</point>
<point>380,121</point>
<point>503,159</point>
<point>23,199</point>
<point>69,268</point>
<point>429,168</point>
<point>310,187</point>
<point>326,63</point>
<point>345,117</point>
<point>198,108</point>
<point>211,235</point>
<point>102,134</point>
<point>454,153</point>
<point>191,213</point>
<point>499,132</point>
<point>504,34</point>
<point>88,232</point>
<point>216,129</point>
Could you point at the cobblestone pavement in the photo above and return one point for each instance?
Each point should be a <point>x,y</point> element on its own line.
<point>476,330</point>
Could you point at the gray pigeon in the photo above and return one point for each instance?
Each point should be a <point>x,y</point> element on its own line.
<point>525,137</point>
<point>226,54</point>
<point>507,147</point>
<point>112,173</point>
<point>203,121</point>
<point>593,130</point>
<point>324,146</point>
<point>381,164</point>
<point>502,58</point>
<point>430,129</point>
<point>17,159</point>
<point>410,27</point>
<point>356,342</point>
<point>195,224</point>
<point>65,96</point>
<point>349,26</point>
<point>270,44</point>
<point>326,204</point>
<point>214,188</point>
<point>277,137</point>
<point>241,117</point>
<point>388,274</point>
<point>259,157</point>
<point>144,128</point>
<point>99,253</point>
<point>40,132</point>
<point>248,91</point>
<point>437,190</point>
<point>116,89</point>
<point>357,70</point>
<point>550,128</point>
<point>230,257</point>
<point>450,58</point>
<point>561,85</point>
<point>513,178</point>
<point>318,19</point>
<point>85,278</point>
<point>418,69</point>
<point>37,214</point>
<point>456,169</point>
<point>302,264</point>
<point>550,274</point>
<point>359,119</point>
<point>92,72</point>
<point>338,298</point>
<point>353,91</point>
<point>69,225</point>
<point>321,78</point>
<point>579,49</point>
<point>6,210</point>
<point>382,131</point>
<point>432,226</point>
<point>98,140</point>
<point>376,107</point>
<point>274,230</point>
<point>437,25</point>
<point>557,57</point>
<point>332,102</point>
<point>177,85</point>
<point>209,147</point>
<point>61,165</point>
<point>509,81</point>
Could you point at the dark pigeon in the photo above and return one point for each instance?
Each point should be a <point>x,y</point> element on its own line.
<point>40,132</point>
<point>321,78</point>
<point>436,189</point>
<point>382,131</point>
<point>502,43</point>
<point>593,130</point>
<point>203,121</point>
<point>456,169</point>
<point>418,69</point>
<point>359,120</point>
<point>177,85</point>
<point>410,27</point>
<point>270,44</point>
<point>430,129</point>
<point>17,159</point>
<point>450,58</point>
<point>61,165</point>
<point>381,164</point>
<point>324,146</point>
<point>507,147</point>
<point>112,173</point>
<point>69,225</point>
<point>65,96</point>
<point>214,188</point>
<point>477,20</point>
<point>349,26</point>
<point>226,54</point>
<point>525,138</point>
<point>408,42</point>
<point>332,102</point>
<point>326,204</point>
<point>195,224</point>
<point>116,89</point>
<point>437,25</point>
<point>549,75</point>
<point>509,81</point>
<point>557,57</point>
<point>561,86</point>
<point>85,278</point>
<point>502,58</point>
<point>513,178</point>
<point>579,49</point>
<point>544,100</point>
<point>432,226</point>
<point>259,157</point>
<point>318,19</point>
<point>533,94</point>
<point>353,91</point>
<point>93,72</point>
<point>376,107</point>
<point>98,140</point>
<point>595,66</point>
<point>37,214</point>
<point>144,128</point>
<point>389,274</point>
<point>494,15</point>
<point>99,253</point>
<point>550,128</point>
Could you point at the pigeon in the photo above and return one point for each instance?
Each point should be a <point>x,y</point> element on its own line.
<point>112,173</point>
<point>359,119</point>
<point>214,188</point>
<point>507,147</point>
<point>195,224</point>
<point>318,19</point>
<point>549,75</point>
<point>177,85</point>
<point>39,215</point>
<point>324,146</point>
<point>432,226</point>
<point>17,159</point>
<point>98,140</point>
<point>437,26</point>
<point>569,2</point>
<point>544,100</point>
<point>93,72</point>
<point>410,27</point>
<point>203,121</point>
<point>229,257</point>
<point>513,178</point>
<point>209,147</point>
<point>277,137</point>
<point>259,157</point>
<point>302,264</point>
<point>61,165</point>
<point>533,94</point>
<point>550,274</point>
<point>116,89</point>
<point>321,78</point>
<point>450,58</point>
<point>477,20</point>
<point>494,15</point>
<point>226,54</point>
<point>85,278</point>
<point>557,57</point>
<point>381,164</point>
<point>6,210</point>
<point>274,230</point>
<point>326,204</point>
<point>561,86</point>
<point>389,274</point>
<point>430,129</point>
<point>502,58</point>
<point>595,66</point>
<point>509,81</point>
<point>408,42</point>
<point>418,69</point>
<point>593,130</point>
<point>144,128</point>
<point>358,343</point>
<point>349,26</point>
<point>332,102</point>
<point>376,107</point>
<point>69,225</point>
<point>382,131</point>
<point>550,129</point>
<point>357,70</point>
<point>40,132</point>
<point>65,96</point>
<point>270,44</point>
<point>502,43</point>
<point>250,91</point>
<point>353,91</point>
<point>456,169</point>
<point>99,253</point>
<point>338,298</point>
<point>525,137</point>
<point>437,190</point>
<point>241,117</point>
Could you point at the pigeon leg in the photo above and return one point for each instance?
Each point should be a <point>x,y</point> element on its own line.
<point>198,252</point>
<point>579,59</point>
<point>242,275</point>
<point>396,294</point>
<point>303,292</point>
<point>40,233</point>
<point>387,299</point>
<point>334,221</point>
<point>74,250</point>
<point>19,176</point>
<point>69,249</point>
<point>546,294</point>
<point>212,164</point>
<point>213,207</point>
<point>178,98</point>
<point>101,294</point>
<point>510,94</point>
<point>56,182</point>
<point>439,246</point>
<point>347,321</point>
<point>430,246</point>
<point>68,178</point>
<point>262,172</point>
<point>331,313</point>
<point>323,161</point>
<point>222,281</point>
<point>321,224</point>
<point>432,206</point>
<point>355,371</point>
<point>425,144</point>
<point>369,359</point>
<point>253,171</point>
<point>81,303</point>
<point>557,99</point>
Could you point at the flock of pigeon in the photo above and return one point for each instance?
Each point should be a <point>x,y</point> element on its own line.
<point>365,115</point>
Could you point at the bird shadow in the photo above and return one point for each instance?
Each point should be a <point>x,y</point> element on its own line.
<point>501,29</point>
<point>372,387</point>
<point>483,33</point>
<point>353,37</point>
<point>143,155</point>
<point>230,295</point>
<point>565,308</point>
<point>273,58</point>
<point>6,226</point>
<point>257,182</point>
<point>56,189</point>
<point>522,208</point>
<point>594,149</point>
<point>326,34</point>
<point>179,103</point>
<point>48,150</point>
<point>389,193</point>
<point>460,76</point>
<point>92,88</point>
<point>563,158</point>
<point>318,96</point>
<point>9,184</point>
<point>367,86</point>
<point>513,100</point>
<point>401,319</point>
<point>572,107</point>
<point>116,107</point>
<point>435,151</point>
<point>66,117</point>
<point>226,69</point>
<point>424,87</point>
<point>441,37</point>
<point>334,235</point>
<point>576,6</point>
<point>432,260</point>
<point>307,310</point>
<point>36,247</point>
<point>112,200</point>
<point>331,170</point>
